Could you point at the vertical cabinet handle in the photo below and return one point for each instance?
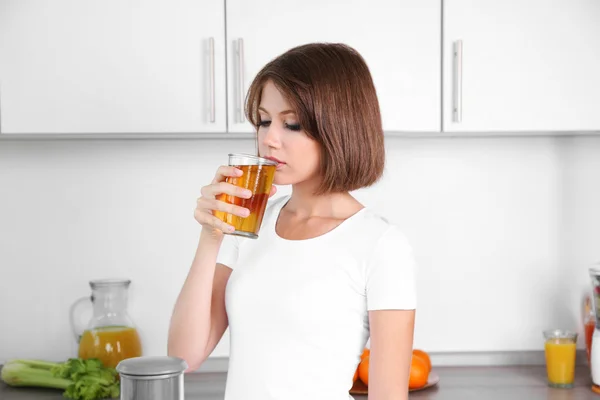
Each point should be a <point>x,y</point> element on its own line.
<point>211,49</point>
<point>240,49</point>
<point>457,89</point>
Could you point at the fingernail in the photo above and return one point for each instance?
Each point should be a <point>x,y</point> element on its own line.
<point>248,193</point>
<point>239,171</point>
<point>231,229</point>
<point>246,212</point>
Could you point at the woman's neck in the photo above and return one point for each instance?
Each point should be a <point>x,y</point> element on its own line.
<point>305,204</point>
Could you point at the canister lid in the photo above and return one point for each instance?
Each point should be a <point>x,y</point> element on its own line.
<point>150,366</point>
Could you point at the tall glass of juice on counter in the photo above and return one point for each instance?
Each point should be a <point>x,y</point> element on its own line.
<point>560,349</point>
<point>110,335</point>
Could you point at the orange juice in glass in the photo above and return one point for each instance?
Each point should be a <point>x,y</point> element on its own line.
<point>257,176</point>
<point>560,349</point>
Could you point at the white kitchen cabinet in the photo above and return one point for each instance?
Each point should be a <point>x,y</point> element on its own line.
<point>112,66</point>
<point>525,66</point>
<point>400,41</point>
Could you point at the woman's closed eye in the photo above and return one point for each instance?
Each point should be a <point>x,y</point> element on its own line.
<point>293,127</point>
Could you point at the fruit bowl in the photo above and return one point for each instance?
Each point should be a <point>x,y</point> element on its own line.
<point>360,388</point>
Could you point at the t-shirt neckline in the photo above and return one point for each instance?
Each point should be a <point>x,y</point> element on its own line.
<point>322,236</point>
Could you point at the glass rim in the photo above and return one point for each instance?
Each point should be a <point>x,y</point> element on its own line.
<point>560,334</point>
<point>101,283</point>
<point>261,160</point>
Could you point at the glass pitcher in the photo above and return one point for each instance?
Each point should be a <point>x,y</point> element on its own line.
<point>110,335</point>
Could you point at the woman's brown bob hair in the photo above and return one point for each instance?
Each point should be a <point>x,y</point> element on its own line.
<point>330,88</point>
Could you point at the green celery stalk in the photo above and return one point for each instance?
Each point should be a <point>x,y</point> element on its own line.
<point>80,379</point>
<point>32,373</point>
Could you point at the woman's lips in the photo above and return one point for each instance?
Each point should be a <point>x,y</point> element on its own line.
<point>279,162</point>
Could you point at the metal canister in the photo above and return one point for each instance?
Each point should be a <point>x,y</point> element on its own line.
<point>152,378</point>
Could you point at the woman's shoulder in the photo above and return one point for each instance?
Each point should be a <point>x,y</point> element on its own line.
<point>372,221</point>
<point>377,229</point>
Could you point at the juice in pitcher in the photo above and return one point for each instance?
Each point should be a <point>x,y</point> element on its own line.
<point>110,344</point>
<point>110,335</point>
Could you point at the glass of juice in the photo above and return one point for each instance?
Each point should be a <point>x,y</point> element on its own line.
<point>257,177</point>
<point>560,349</point>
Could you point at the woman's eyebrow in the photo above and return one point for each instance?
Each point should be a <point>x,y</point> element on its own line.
<point>281,113</point>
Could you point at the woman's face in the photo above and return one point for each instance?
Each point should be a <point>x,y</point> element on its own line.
<point>282,139</point>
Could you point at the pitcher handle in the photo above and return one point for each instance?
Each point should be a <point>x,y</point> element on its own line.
<point>77,331</point>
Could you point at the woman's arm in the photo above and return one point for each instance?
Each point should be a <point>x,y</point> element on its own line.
<point>199,313</point>
<point>391,346</point>
<point>199,317</point>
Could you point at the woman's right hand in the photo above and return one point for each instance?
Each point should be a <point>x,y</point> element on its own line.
<point>208,203</point>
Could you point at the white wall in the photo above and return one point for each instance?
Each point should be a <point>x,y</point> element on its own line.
<point>485,216</point>
<point>580,224</point>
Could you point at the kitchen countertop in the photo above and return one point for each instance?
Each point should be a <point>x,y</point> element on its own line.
<point>456,383</point>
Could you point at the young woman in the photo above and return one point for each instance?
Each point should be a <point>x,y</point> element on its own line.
<point>326,273</point>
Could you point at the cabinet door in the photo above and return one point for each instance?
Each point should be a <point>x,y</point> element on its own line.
<point>400,40</point>
<point>526,65</point>
<point>112,66</point>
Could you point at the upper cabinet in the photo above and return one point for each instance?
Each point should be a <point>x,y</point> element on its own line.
<point>184,66</point>
<point>518,66</point>
<point>112,66</point>
<point>400,41</point>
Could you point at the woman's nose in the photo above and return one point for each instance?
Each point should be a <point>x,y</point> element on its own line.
<point>272,137</point>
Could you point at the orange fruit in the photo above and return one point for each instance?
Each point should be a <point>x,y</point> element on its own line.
<point>366,353</point>
<point>355,375</point>
<point>419,373</point>
<point>363,370</point>
<point>422,354</point>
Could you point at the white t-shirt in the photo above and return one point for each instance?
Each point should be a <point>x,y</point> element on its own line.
<point>298,309</point>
